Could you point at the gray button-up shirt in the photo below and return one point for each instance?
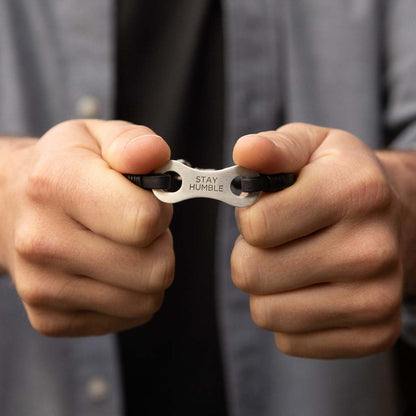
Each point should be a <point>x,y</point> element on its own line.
<point>349,64</point>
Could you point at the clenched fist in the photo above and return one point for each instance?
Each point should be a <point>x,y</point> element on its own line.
<point>89,252</point>
<point>324,259</point>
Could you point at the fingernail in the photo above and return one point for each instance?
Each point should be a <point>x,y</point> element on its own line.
<point>146,138</point>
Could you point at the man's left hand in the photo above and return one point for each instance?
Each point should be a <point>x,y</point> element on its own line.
<point>321,259</point>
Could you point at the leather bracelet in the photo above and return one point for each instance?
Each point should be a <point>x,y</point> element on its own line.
<point>177,181</point>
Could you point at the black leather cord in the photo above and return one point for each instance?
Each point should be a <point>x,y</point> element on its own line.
<point>151,181</point>
<point>267,183</point>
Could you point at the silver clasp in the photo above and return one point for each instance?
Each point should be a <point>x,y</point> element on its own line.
<point>207,183</point>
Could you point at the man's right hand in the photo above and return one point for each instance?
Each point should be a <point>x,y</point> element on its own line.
<point>89,252</point>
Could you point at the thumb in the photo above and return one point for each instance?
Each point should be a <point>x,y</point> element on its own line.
<point>287,149</point>
<point>127,147</point>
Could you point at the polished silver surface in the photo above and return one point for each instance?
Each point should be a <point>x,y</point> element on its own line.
<point>207,183</point>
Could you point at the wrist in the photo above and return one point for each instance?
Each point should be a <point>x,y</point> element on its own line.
<point>13,153</point>
<point>400,168</point>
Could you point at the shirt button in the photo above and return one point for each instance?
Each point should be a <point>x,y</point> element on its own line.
<point>88,106</point>
<point>97,389</point>
<point>257,109</point>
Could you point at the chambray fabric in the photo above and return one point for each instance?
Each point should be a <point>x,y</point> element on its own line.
<point>349,64</point>
<point>344,64</point>
<point>52,53</point>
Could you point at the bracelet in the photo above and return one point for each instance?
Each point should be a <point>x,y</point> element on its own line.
<point>241,187</point>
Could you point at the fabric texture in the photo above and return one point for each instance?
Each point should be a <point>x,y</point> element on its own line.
<point>349,64</point>
<point>172,81</point>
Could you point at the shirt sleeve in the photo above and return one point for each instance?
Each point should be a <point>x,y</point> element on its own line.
<point>399,35</point>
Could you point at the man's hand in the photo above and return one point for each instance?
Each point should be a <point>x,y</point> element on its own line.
<point>323,259</point>
<point>89,252</point>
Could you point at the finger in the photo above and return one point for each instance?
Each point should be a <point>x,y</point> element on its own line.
<point>292,147</point>
<point>77,251</point>
<point>147,270</point>
<point>127,147</point>
<point>342,253</point>
<point>337,176</point>
<point>99,197</point>
<point>113,207</point>
<point>68,293</point>
<point>328,306</point>
<point>341,342</point>
<point>287,149</point>
<point>298,211</point>
<point>78,324</point>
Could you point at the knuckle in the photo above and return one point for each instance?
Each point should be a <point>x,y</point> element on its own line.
<point>378,252</point>
<point>246,222</point>
<point>39,185</point>
<point>377,303</point>
<point>241,272</point>
<point>48,329</point>
<point>383,303</point>
<point>153,304</point>
<point>386,255</point>
<point>32,295</point>
<point>162,272</point>
<point>285,134</point>
<point>66,125</point>
<point>284,342</point>
<point>140,307</point>
<point>260,313</point>
<point>377,192</point>
<point>148,220</point>
<point>33,245</point>
<point>391,333</point>
<point>39,292</point>
<point>255,226</point>
<point>126,130</point>
<point>295,125</point>
<point>60,131</point>
<point>48,325</point>
<point>383,338</point>
<point>369,191</point>
<point>288,140</point>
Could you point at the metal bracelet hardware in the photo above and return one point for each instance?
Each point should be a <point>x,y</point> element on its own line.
<point>177,181</point>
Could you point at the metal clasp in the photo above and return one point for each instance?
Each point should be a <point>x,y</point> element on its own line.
<point>207,183</point>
